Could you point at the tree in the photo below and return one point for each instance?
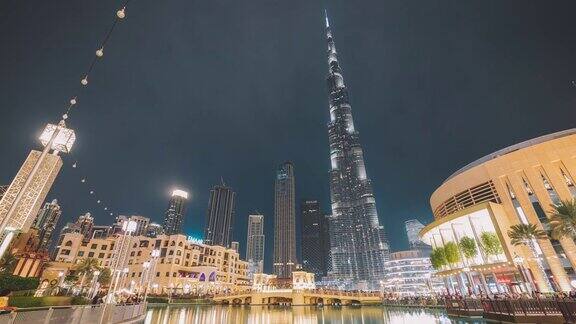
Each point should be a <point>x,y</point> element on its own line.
<point>563,219</point>
<point>491,243</point>
<point>438,258</point>
<point>8,263</point>
<point>452,253</point>
<point>468,247</point>
<point>525,234</point>
<point>86,267</point>
<point>105,277</point>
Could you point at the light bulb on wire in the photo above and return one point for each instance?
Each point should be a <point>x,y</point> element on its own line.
<point>121,13</point>
<point>84,81</point>
<point>73,101</point>
<point>100,52</point>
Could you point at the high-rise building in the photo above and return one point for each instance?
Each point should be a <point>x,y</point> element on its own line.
<point>413,227</point>
<point>284,221</point>
<point>315,239</point>
<point>85,224</point>
<point>220,216</point>
<point>235,246</point>
<point>359,246</point>
<point>174,216</point>
<point>255,243</point>
<point>46,222</point>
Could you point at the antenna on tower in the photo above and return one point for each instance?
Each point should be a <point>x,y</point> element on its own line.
<point>222,180</point>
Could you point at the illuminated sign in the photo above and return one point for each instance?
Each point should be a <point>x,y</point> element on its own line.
<point>194,240</point>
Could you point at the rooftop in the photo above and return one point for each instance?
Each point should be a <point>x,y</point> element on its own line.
<point>513,148</point>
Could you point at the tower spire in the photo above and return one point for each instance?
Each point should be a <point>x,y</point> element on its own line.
<point>326,16</point>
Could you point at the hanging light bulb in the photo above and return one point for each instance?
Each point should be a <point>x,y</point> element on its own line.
<point>91,192</point>
<point>65,116</point>
<point>111,214</point>
<point>121,13</point>
<point>105,208</point>
<point>85,80</point>
<point>73,101</point>
<point>100,52</point>
<point>74,166</point>
<point>83,180</point>
<point>98,201</point>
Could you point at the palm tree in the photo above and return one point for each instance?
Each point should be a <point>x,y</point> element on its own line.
<point>8,263</point>
<point>525,234</point>
<point>563,219</point>
<point>87,266</point>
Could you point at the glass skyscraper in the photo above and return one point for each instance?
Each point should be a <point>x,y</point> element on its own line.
<point>315,239</point>
<point>46,222</point>
<point>174,216</point>
<point>284,221</point>
<point>255,243</point>
<point>359,246</point>
<point>220,216</point>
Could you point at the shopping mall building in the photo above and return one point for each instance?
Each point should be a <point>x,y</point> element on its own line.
<point>516,185</point>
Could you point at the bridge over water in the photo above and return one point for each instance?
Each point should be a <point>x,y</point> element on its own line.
<point>299,297</point>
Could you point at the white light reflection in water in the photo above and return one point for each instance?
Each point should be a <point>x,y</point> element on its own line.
<point>202,314</point>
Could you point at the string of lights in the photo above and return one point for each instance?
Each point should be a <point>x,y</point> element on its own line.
<point>73,103</point>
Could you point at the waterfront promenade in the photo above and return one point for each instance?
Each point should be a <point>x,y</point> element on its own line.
<point>299,297</point>
<point>113,314</point>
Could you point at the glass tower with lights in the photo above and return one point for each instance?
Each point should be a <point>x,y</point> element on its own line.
<point>359,246</point>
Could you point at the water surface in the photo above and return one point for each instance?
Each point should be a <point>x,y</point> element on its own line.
<point>299,315</point>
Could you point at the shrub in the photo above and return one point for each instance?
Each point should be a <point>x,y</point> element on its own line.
<point>79,300</point>
<point>29,301</point>
<point>468,247</point>
<point>9,283</point>
<point>452,253</point>
<point>157,300</point>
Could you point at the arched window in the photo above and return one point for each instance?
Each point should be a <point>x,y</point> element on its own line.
<point>69,243</point>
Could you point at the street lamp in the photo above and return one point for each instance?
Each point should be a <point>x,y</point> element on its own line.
<point>94,285</point>
<point>145,277</point>
<point>19,215</point>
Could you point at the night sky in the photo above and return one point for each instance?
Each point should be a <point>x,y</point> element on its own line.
<point>191,91</point>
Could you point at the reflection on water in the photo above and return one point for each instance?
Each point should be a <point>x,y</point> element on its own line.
<point>297,315</point>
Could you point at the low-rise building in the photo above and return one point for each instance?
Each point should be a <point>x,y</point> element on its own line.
<point>182,265</point>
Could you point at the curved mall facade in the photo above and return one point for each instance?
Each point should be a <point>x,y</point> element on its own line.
<point>518,184</point>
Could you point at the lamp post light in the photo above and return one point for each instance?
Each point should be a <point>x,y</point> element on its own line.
<point>145,277</point>
<point>93,286</point>
<point>57,138</point>
<point>155,254</point>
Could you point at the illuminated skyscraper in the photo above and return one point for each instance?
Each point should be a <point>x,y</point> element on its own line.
<point>315,239</point>
<point>255,243</point>
<point>284,221</point>
<point>359,246</point>
<point>174,216</point>
<point>46,222</point>
<point>413,227</point>
<point>220,216</point>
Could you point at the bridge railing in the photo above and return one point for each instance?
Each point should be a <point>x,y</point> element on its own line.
<point>75,314</point>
